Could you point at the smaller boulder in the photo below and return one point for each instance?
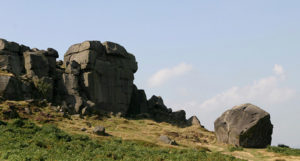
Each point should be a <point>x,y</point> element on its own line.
<point>99,130</point>
<point>165,139</point>
<point>194,121</point>
<point>83,129</point>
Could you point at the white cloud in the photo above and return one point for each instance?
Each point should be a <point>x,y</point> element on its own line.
<point>278,69</point>
<point>166,74</point>
<point>265,92</point>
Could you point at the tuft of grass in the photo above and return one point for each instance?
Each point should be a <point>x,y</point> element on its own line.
<point>235,148</point>
<point>23,140</point>
<point>284,150</point>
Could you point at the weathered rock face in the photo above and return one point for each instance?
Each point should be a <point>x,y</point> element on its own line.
<point>8,85</point>
<point>104,75</point>
<point>40,63</point>
<point>245,125</point>
<point>138,102</point>
<point>22,69</point>
<point>11,57</point>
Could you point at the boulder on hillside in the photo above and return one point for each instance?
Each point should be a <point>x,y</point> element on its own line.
<point>245,125</point>
<point>165,139</point>
<point>99,130</point>
<point>194,121</point>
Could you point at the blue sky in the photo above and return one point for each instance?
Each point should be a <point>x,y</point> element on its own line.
<point>201,56</point>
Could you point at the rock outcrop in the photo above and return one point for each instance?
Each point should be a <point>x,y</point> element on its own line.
<point>194,121</point>
<point>245,125</point>
<point>94,78</point>
<point>100,73</point>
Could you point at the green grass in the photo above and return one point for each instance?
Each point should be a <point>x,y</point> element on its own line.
<point>23,140</point>
<point>284,150</point>
<point>235,148</point>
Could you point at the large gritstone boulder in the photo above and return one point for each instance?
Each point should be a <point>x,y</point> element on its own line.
<point>104,76</point>
<point>245,125</point>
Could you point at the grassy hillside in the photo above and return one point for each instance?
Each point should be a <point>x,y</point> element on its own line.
<point>39,132</point>
<point>23,140</point>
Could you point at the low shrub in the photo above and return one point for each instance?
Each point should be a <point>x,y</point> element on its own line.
<point>235,148</point>
<point>284,150</point>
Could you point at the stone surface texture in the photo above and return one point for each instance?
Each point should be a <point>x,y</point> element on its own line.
<point>245,125</point>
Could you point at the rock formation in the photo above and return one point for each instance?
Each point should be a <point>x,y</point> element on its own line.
<point>245,125</point>
<point>101,74</point>
<point>194,121</point>
<point>94,77</point>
